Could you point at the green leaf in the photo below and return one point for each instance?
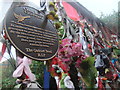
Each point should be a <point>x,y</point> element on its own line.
<point>88,71</point>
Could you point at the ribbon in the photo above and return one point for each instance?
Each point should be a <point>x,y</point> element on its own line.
<point>46,78</point>
<point>71,12</point>
<point>100,85</point>
<point>68,83</point>
<point>3,46</point>
<point>23,65</point>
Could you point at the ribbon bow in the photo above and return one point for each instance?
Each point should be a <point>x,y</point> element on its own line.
<point>23,65</point>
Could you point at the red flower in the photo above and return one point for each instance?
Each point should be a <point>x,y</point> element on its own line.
<point>78,62</point>
<point>56,61</point>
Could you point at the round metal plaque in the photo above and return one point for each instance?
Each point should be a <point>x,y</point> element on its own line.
<point>30,33</point>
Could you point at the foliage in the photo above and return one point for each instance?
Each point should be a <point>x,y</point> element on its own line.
<point>110,20</point>
<point>57,25</point>
<point>56,17</point>
<point>7,70</point>
<point>51,4</point>
<point>52,13</point>
<point>60,33</point>
<point>37,68</point>
<point>117,51</point>
<point>88,71</point>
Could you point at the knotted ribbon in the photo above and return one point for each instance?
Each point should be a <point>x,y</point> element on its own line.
<point>23,65</point>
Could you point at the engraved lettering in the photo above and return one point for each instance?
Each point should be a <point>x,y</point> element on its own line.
<point>38,50</point>
<point>41,55</point>
<point>27,11</point>
<point>28,50</point>
<point>48,51</point>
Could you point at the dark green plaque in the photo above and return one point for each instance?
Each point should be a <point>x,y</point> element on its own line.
<point>31,33</point>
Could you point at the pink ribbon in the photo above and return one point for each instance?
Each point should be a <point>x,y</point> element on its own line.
<point>24,66</point>
<point>71,11</point>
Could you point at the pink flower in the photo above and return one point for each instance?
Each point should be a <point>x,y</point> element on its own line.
<point>61,52</point>
<point>66,59</point>
<point>65,52</point>
<point>66,42</point>
<point>77,47</point>
<point>68,50</point>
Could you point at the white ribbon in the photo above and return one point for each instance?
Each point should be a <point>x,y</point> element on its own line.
<point>68,83</point>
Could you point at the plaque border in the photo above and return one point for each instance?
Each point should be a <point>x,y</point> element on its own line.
<point>4,24</point>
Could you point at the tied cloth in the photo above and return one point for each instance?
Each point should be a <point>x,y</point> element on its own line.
<point>23,65</point>
<point>65,82</point>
